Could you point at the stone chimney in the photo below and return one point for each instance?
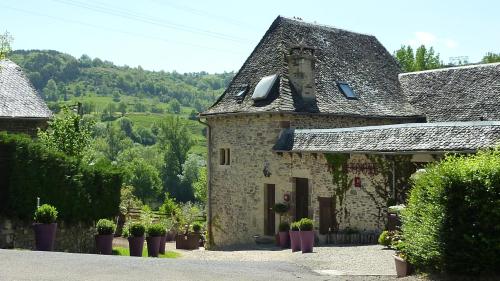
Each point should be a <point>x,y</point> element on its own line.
<point>301,71</point>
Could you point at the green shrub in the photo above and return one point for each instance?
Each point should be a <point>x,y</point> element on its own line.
<point>306,224</point>
<point>451,220</point>
<point>295,226</point>
<point>82,193</point>
<point>136,230</point>
<point>196,227</point>
<point>284,226</point>
<point>155,229</point>
<point>105,227</point>
<point>46,214</point>
<point>389,238</point>
<point>281,208</point>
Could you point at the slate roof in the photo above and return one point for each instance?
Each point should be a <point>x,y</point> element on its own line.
<point>469,93</point>
<point>411,137</point>
<point>18,98</point>
<point>358,59</point>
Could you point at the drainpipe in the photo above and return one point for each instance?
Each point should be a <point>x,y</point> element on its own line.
<point>209,184</point>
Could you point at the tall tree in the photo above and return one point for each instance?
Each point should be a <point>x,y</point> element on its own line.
<point>491,58</point>
<point>422,59</point>
<point>5,44</point>
<point>175,140</point>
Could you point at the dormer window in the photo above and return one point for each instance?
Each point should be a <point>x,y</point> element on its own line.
<point>347,91</point>
<point>264,87</point>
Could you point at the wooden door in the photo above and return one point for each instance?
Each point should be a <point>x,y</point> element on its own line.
<point>301,198</point>
<point>269,218</point>
<point>325,214</point>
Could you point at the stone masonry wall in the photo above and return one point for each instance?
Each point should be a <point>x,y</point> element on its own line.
<point>238,189</point>
<point>78,238</point>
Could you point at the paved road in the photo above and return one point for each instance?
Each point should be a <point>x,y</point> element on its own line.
<point>32,265</point>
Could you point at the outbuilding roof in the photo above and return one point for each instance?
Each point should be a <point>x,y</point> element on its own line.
<point>357,59</point>
<point>411,137</point>
<point>467,93</point>
<point>18,98</point>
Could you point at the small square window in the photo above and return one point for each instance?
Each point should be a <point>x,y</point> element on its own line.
<point>347,91</point>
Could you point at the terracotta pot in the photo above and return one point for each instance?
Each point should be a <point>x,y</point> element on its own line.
<point>187,242</point>
<point>163,239</point>
<point>295,240</point>
<point>104,244</point>
<point>135,245</point>
<point>306,241</point>
<point>153,245</point>
<point>45,235</point>
<point>284,239</point>
<point>402,267</point>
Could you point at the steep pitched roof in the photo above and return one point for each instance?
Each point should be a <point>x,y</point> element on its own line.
<point>411,137</point>
<point>18,98</point>
<point>358,59</point>
<point>468,93</point>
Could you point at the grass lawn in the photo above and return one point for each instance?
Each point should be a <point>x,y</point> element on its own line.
<point>122,251</point>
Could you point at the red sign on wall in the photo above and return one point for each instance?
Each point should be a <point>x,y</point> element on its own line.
<point>357,182</point>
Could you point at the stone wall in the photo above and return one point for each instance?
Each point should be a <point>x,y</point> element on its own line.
<point>23,125</point>
<point>77,238</point>
<point>238,189</point>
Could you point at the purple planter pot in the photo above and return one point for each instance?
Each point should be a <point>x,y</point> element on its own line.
<point>171,235</point>
<point>295,240</point>
<point>284,239</point>
<point>104,244</point>
<point>135,245</point>
<point>306,241</point>
<point>45,235</point>
<point>163,240</point>
<point>153,245</point>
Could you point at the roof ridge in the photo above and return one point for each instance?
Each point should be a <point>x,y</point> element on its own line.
<point>451,68</point>
<point>325,26</point>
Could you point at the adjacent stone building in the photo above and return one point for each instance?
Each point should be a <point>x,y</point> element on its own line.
<point>321,119</point>
<point>22,110</point>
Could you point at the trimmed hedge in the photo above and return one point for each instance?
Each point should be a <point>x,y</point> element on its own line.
<point>81,193</point>
<point>452,220</point>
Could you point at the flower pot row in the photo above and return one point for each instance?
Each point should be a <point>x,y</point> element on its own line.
<point>300,237</point>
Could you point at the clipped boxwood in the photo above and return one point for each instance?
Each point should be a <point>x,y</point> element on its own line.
<point>105,227</point>
<point>284,226</point>
<point>81,192</point>
<point>295,226</point>
<point>281,208</point>
<point>306,224</point>
<point>136,230</point>
<point>155,229</point>
<point>46,214</point>
<point>451,220</point>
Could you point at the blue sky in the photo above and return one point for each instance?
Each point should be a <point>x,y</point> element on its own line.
<point>218,36</point>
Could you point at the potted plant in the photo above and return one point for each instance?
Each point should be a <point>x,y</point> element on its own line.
<point>188,240</point>
<point>155,231</point>
<point>284,228</point>
<point>403,267</point>
<point>294,237</point>
<point>104,238</point>
<point>45,227</point>
<point>280,209</point>
<point>166,224</point>
<point>306,235</point>
<point>136,239</point>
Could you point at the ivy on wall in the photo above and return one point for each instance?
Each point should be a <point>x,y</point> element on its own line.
<point>341,182</point>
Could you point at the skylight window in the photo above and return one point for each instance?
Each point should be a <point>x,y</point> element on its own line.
<point>347,91</point>
<point>264,87</point>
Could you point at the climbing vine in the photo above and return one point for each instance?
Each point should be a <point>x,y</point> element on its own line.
<point>341,182</point>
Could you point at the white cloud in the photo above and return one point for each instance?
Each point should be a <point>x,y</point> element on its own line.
<point>450,43</point>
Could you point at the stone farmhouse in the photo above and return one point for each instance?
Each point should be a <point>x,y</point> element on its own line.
<point>324,120</point>
<point>22,110</point>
